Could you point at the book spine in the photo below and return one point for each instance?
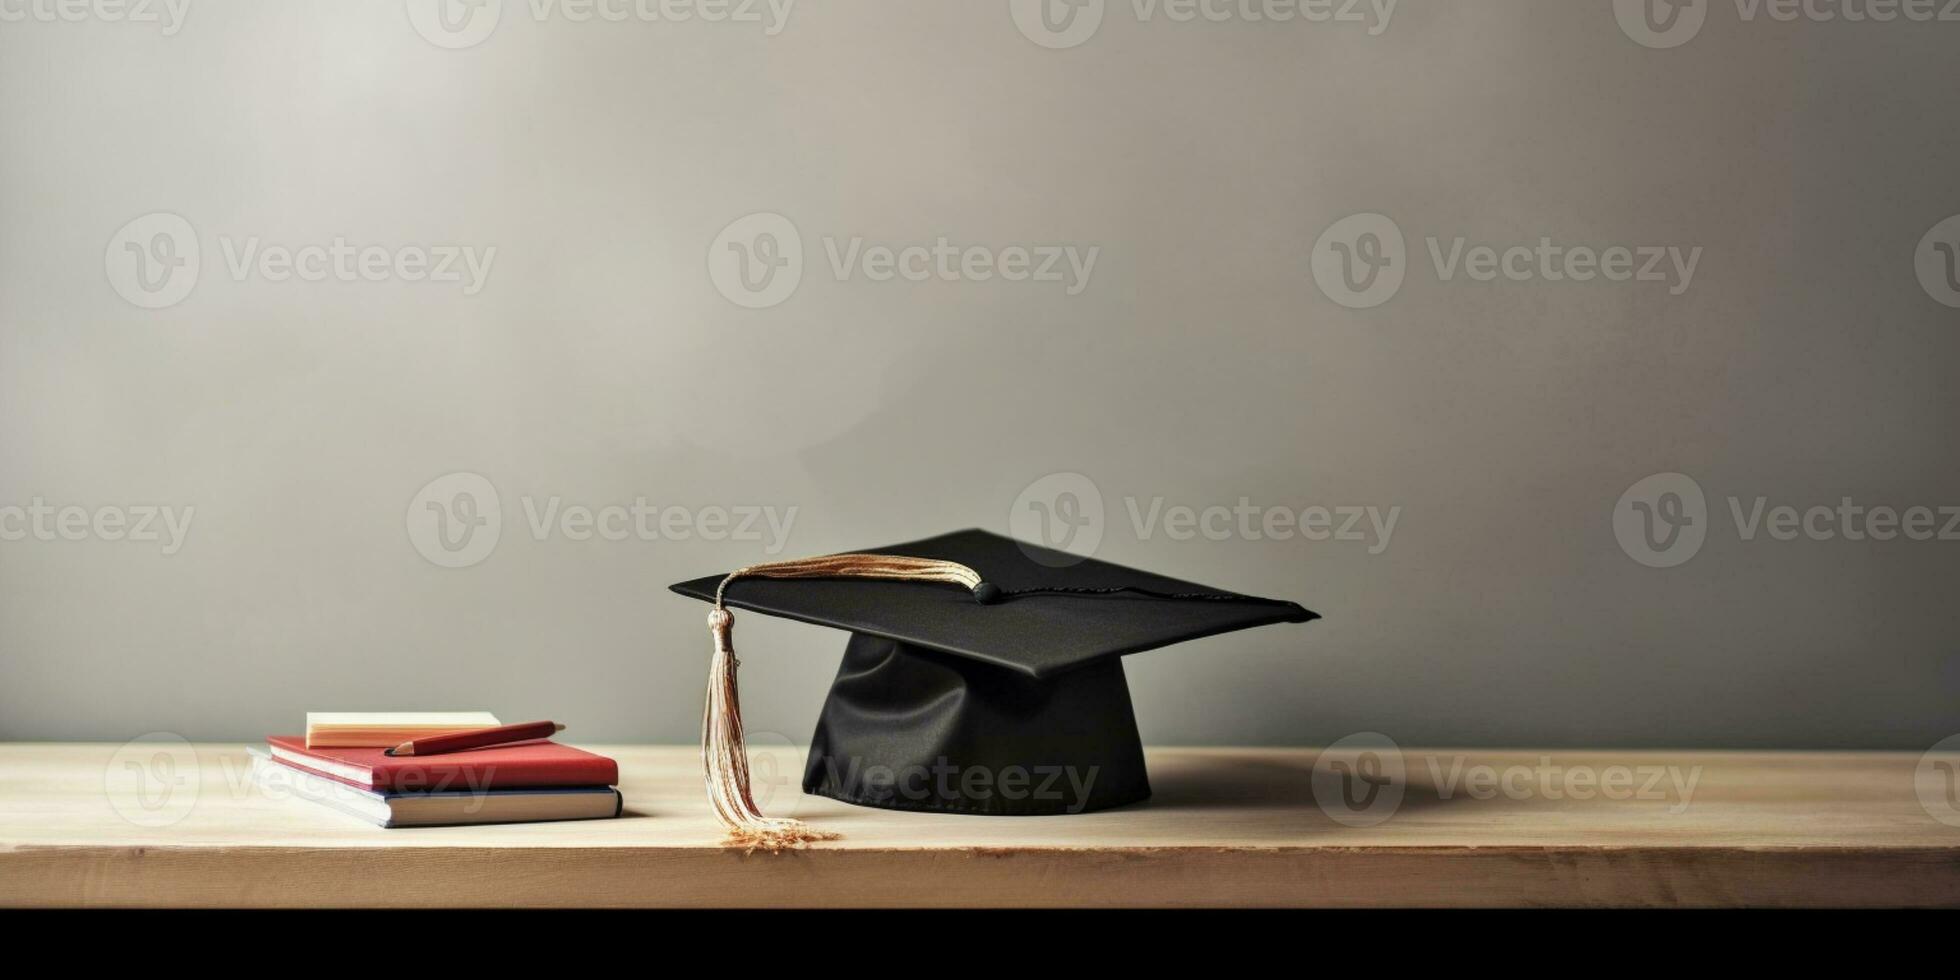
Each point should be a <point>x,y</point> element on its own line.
<point>368,785</point>
<point>597,771</point>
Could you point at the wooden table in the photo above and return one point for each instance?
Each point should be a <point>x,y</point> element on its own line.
<point>167,823</point>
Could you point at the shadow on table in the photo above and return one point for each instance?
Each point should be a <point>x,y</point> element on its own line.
<point>1229,782</point>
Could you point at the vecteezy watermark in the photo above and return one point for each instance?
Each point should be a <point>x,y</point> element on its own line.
<point>1661,23</point>
<point>153,780</point>
<point>1060,511</point>
<point>1671,23</point>
<point>1362,260</point>
<point>1546,780</point>
<point>339,260</point>
<point>1060,24</point>
<point>168,14</point>
<point>1663,520</point>
<point>270,780</point>
<point>458,24</point>
<point>1362,780</point>
<point>455,24</point>
<point>1937,260</point>
<point>456,520</point>
<point>1359,780</point>
<point>1065,512</point>
<point>1061,787</point>
<point>1936,781</point>
<point>775,772</point>
<point>155,261</point>
<point>139,523</point>
<point>757,261</point>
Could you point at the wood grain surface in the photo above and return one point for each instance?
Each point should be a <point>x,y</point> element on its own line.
<point>171,824</point>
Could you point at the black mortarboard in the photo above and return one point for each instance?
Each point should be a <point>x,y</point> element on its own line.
<point>1003,695</point>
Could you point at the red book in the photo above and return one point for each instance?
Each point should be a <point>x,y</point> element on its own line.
<point>523,764</point>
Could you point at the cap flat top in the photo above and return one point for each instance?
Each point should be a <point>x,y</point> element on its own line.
<point>1036,635</point>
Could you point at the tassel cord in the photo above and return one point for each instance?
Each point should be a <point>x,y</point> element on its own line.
<point>724,749</point>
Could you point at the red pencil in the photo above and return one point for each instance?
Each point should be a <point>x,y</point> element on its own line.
<point>478,738</point>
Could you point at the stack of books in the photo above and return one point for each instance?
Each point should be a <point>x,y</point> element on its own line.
<point>343,762</point>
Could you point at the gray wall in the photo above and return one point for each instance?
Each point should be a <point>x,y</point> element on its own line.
<point>1201,361</point>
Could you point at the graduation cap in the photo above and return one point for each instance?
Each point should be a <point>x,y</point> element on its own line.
<point>983,676</point>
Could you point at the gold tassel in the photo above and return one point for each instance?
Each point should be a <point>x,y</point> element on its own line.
<point>724,753</point>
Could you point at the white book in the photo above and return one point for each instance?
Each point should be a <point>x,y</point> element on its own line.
<point>434,809</point>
